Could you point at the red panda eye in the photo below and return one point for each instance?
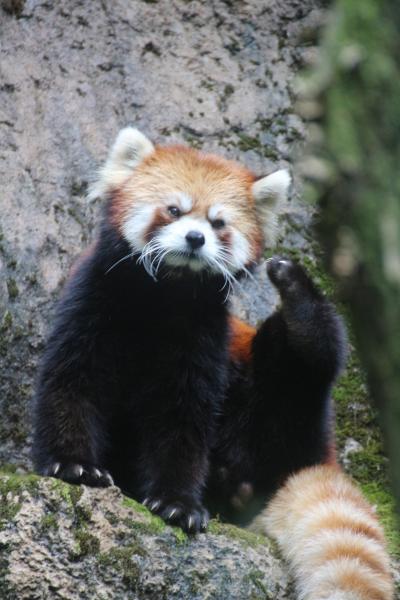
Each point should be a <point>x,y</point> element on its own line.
<point>174,211</point>
<point>218,223</point>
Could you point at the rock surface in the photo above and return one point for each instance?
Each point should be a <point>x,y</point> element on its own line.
<point>211,74</point>
<point>72,542</point>
<point>215,75</point>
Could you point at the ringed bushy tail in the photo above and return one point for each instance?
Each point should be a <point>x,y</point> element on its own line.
<point>330,536</point>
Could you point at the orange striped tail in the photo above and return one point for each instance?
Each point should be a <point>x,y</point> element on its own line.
<point>330,536</point>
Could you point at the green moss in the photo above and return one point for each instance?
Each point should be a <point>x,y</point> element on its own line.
<point>245,537</point>
<point>48,523</point>
<point>255,577</point>
<point>69,493</point>
<point>86,544</point>
<point>11,487</point>
<point>12,289</point>
<point>122,560</point>
<point>9,508</point>
<point>152,525</point>
<point>14,483</point>
<point>180,536</point>
<point>356,419</point>
<point>6,321</point>
<point>247,142</point>
<point>385,506</point>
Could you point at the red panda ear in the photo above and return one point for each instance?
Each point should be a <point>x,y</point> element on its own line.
<point>129,149</point>
<point>269,194</point>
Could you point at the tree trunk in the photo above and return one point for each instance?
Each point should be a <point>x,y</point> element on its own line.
<point>355,93</point>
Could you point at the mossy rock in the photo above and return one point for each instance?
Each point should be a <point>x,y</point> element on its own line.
<point>59,540</point>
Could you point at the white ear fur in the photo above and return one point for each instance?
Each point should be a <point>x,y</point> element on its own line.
<point>269,194</point>
<point>273,188</point>
<point>129,149</point>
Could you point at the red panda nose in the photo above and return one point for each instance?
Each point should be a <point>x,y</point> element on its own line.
<point>195,239</point>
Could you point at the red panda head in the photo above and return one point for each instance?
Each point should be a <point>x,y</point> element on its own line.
<point>179,207</point>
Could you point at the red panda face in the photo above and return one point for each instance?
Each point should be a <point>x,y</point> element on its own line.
<point>179,208</point>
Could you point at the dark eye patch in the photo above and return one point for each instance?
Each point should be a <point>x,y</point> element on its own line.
<point>174,211</point>
<point>218,223</point>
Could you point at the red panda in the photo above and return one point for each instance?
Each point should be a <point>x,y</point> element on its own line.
<point>148,381</point>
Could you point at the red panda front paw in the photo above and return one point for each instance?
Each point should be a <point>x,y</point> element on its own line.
<point>84,473</point>
<point>192,517</point>
<point>289,277</point>
<point>280,271</point>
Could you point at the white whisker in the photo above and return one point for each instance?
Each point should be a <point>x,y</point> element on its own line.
<point>119,261</point>
<point>161,256</point>
<point>229,280</point>
<point>146,257</point>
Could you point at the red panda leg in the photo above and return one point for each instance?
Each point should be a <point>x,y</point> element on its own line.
<point>296,355</point>
<point>277,418</point>
<point>69,434</point>
<point>330,536</point>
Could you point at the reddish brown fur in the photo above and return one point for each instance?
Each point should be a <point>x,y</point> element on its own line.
<point>353,580</point>
<point>225,237</point>
<point>353,548</point>
<point>161,218</point>
<point>241,340</point>
<point>342,522</point>
<point>118,211</point>
<point>331,458</point>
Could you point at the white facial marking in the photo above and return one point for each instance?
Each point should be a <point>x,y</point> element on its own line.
<point>216,211</point>
<point>240,250</point>
<point>137,224</point>
<point>170,246</point>
<point>185,202</point>
<point>173,238</point>
<point>181,200</point>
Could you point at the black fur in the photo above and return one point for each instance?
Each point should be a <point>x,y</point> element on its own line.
<point>136,383</point>
<point>277,417</point>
